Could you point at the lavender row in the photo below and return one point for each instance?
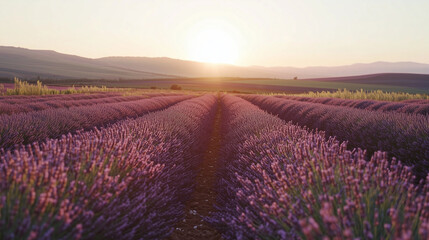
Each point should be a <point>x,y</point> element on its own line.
<point>23,99</point>
<point>128,181</point>
<point>6,108</point>
<point>372,105</point>
<point>280,181</point>
<point>416,101</point>
<point>24,128</point>
<point>403,136</point>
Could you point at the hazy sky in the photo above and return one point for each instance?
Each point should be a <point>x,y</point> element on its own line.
<point>252,32</point>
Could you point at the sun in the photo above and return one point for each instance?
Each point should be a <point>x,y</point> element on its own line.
<point>213,43</point>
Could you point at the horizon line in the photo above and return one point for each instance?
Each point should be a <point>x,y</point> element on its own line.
<point>225,64</point>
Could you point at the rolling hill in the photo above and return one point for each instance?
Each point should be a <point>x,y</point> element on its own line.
<point>30,64</point>
<point>26,63</point>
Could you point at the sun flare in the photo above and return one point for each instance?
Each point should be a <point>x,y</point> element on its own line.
<point>213,43</point>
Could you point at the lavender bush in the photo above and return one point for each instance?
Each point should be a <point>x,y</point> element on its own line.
<point>127,181</point>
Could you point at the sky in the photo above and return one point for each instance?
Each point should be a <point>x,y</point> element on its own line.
<point>249,32</point>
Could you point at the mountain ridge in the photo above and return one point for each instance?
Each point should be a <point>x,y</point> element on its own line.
<point>30,64</point>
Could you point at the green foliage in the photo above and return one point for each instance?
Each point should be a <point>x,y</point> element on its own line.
<point>175,87</point>
<point>86,89</point>
<point>361,94</point>
<point>25,88</point>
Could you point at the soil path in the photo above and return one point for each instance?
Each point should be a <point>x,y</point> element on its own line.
<point>201,202</point>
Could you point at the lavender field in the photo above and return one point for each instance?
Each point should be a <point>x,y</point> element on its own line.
<point>159,165</point>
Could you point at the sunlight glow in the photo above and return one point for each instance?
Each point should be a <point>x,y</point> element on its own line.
<point>214,43</point>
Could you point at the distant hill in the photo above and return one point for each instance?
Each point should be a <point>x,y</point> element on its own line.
<point>354,69</point>
<point>26,63</point>
<point>196,69</point>
<point>179,67</point>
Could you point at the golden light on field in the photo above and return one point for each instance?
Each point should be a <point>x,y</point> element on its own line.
<point>213,42</point>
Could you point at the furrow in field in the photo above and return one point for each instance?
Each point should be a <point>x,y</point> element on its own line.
<point>203,198</point>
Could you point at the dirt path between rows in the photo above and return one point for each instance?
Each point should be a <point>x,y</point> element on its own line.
<point>204,196</point>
